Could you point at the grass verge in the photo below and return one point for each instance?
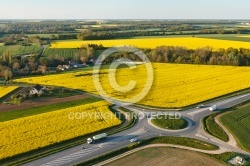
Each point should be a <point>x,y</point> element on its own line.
<point>183,141</point>
<point>212,128</point>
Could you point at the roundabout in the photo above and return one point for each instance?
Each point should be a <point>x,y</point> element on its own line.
<point>144,130</point>
<point>171,125</point>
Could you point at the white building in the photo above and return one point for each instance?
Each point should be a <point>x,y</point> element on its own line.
<point>37,89</point>
<point>239,160</point>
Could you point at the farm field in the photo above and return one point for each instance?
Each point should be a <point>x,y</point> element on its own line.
<point>65,52</point>
<point>164,157</point>
<point>175,85</point>
<point>229,37</point>
<point>238,123</point>
<point>104,25</point>
<point>20,50</point>
<point>246,36</point>
<point>45,35</point>
<point>32,132</point>
<point>24,112</point>
<point>4,90</point>
<point>189,42</point>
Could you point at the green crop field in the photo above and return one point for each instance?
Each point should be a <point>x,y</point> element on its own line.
<point>65,52</point>
<point>238,122</point>
<point>20,50</point>
<point>232,37</point>
<point>40,35</point>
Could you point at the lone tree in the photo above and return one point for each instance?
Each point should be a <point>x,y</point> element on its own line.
<point>7,57</point>
<point>16,66</point>
<point>8,74</point>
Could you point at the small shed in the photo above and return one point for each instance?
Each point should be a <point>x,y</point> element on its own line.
<point>239,160</point>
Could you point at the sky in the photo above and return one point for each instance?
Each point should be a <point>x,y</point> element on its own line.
<point>124,9</point>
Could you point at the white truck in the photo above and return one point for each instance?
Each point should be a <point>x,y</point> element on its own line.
<point>213,108</point>
<point>97,138</point>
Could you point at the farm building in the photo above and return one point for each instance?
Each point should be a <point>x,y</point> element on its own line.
<point>239,160</point>
<point>37,89</point>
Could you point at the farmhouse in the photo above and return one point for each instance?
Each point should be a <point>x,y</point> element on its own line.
<point>37,89</point>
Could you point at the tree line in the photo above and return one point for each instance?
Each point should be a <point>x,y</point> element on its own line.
<point>206,55</point>
<point>182,55</point>
<point>11,66</point>
<point>86,31</point>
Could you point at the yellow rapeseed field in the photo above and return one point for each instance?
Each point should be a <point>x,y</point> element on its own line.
<point>4,90</point>
<point>175,85</point>
<point>25,134</point>
<point>189,42</point>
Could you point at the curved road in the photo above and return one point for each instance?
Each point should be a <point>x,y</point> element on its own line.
<point>143,130</point>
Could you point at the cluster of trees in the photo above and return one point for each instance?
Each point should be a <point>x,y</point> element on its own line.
<point>39,27</point>
<point>6,72</point>
<point>182,55</point>
<point>12,39</point>
<point>58,57</point>
<point>15,65</point>
<point>21,40</point>
<point>126,28</point>
<point>230,56</point>
<point>143,27</point>
<point>95,36</point>
<point>111,34</point>
<point>62,36</point>
<point>223,31</point>
<point>9,65</point>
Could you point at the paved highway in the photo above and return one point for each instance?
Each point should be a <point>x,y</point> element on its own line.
<point>144,130</point>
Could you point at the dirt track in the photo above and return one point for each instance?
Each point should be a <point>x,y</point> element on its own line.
<point>40,102</point>
<point>232,140</point>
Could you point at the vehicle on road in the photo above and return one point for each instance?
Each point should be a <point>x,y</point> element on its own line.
<point>133,140</point>
<point>97,138</point>
<point>213,108</point>
<point>200,106</point>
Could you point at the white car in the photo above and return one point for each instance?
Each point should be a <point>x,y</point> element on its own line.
<point>133,140</point>
<point>200,106</point>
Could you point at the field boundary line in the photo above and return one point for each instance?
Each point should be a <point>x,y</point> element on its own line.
<point>241,118</point>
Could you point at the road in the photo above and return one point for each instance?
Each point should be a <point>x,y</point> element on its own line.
<point>144,130</point>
